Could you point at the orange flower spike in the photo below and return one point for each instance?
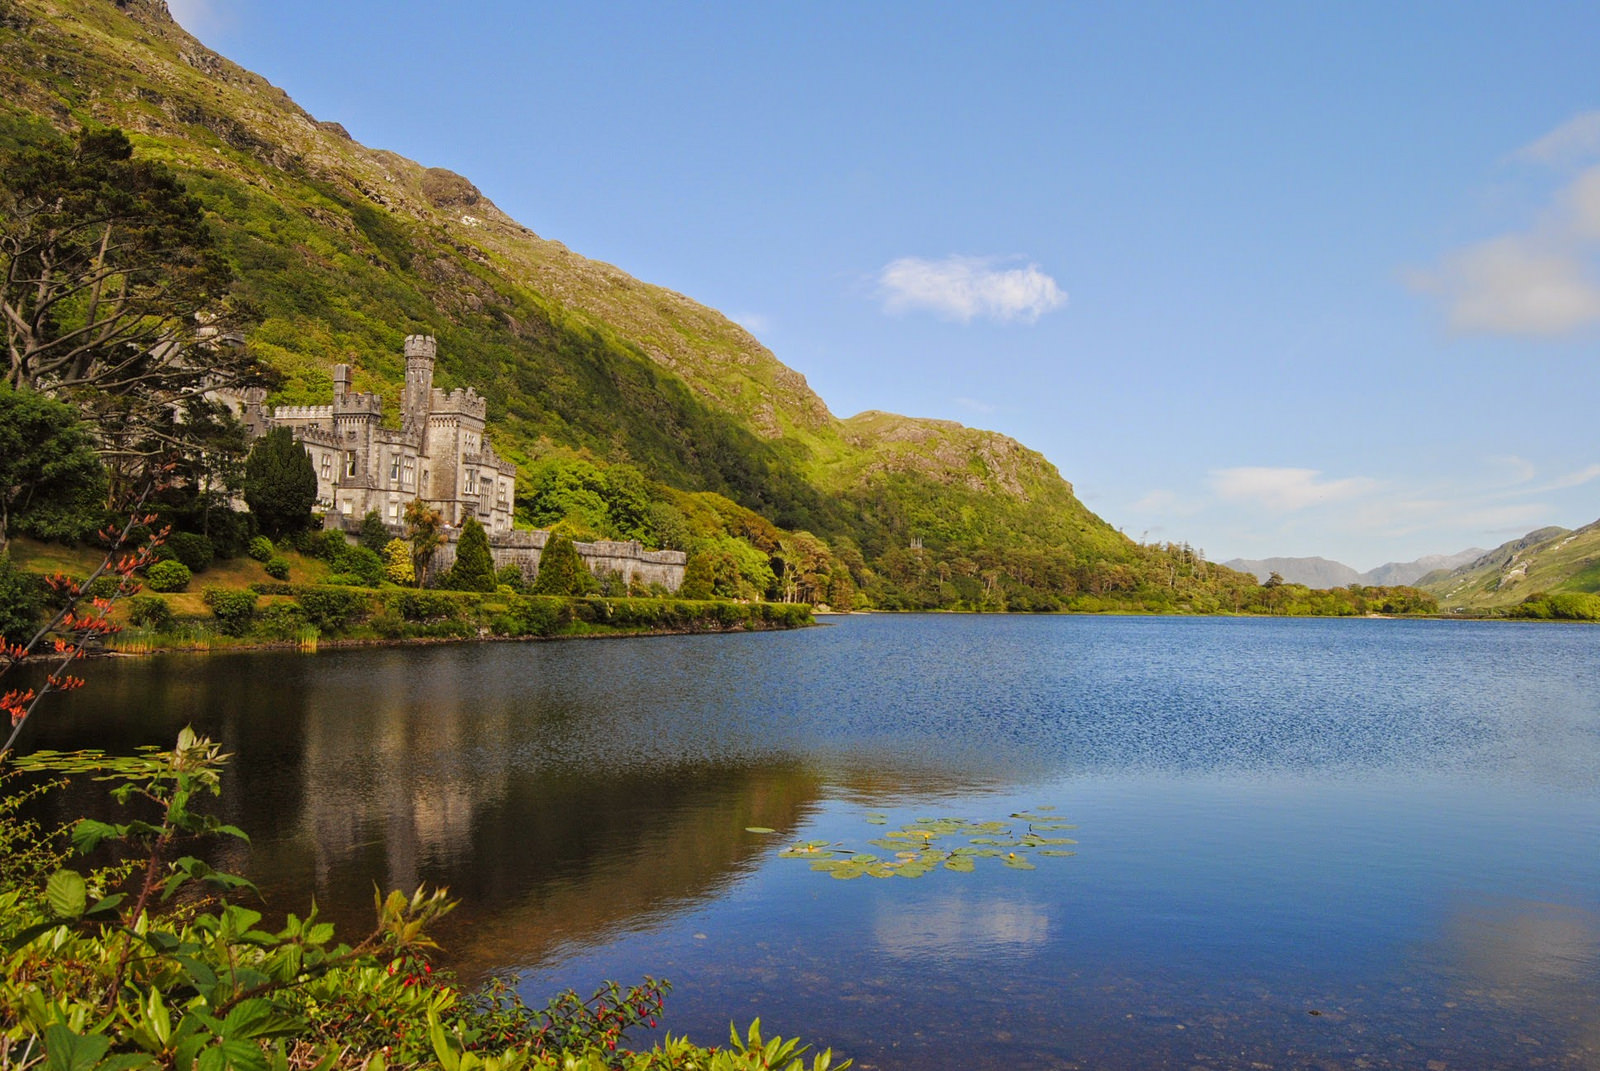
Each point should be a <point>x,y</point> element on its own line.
<point>61,646</point>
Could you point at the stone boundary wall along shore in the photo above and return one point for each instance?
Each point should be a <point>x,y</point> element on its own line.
<point>524,548</point>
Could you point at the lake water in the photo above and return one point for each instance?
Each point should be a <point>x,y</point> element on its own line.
<point>1301,843</point>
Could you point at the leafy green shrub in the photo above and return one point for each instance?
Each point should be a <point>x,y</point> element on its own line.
<point>277,568</point>
<point>22,601</point>
<point>429,606</point>
<point>360,563</point>
<point>374,534</point>
<point>281,621</point>
<point>233,609</point>
<point>104,587</point>
<point>387,623</point>
<point>168,576</point>
<point>510,576</point>
<point>261,549</point>
<point>150,611</point>
<point>537,616</point>
<point>274,587</point>
<point>193,550</point>
<point>328,545</point>
<point>397,565</point>
<point>333,609</point>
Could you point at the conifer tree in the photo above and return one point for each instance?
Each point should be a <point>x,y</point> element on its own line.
<point>374,533</point>
<point>561,571</point>
<point>474,567</point>
<point>280,484</point>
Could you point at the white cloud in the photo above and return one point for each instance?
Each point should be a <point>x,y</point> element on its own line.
<point>966,288</point>
<point>975,405</point>
<point>1542,279</point>
<point>1577,138</point>
<point>1514,285</point>
<point>1572,479</point>
<point>753,322</point>
<point>1283,489</point>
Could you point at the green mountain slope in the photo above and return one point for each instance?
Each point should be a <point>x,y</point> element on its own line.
<point>344,250</point>
<point>1545,561</point>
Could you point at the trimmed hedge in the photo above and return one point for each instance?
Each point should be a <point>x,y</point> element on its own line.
<point>403,613</point>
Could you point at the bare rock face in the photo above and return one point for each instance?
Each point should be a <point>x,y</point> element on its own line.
<point>150,9</point>
<point>446,189</point>
<point>336,129</point>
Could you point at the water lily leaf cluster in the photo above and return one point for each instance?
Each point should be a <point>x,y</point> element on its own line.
<point>928,844</point>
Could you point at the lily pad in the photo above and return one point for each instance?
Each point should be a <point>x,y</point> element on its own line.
<point>759,829</point>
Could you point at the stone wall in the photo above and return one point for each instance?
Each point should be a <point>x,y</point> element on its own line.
<point>523,549</point>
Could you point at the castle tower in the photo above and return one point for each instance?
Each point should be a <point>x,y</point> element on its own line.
<point>341,382</point>
<point>418,396</point>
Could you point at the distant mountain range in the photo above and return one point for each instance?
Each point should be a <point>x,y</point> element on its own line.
<point>1323,573</point>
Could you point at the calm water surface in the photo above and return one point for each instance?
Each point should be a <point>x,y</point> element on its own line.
<point>1351,844</point>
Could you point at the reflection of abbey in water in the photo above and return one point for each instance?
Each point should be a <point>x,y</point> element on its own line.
<point>441,455</point>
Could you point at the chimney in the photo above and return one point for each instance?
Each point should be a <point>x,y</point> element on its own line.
<point>341,382</point>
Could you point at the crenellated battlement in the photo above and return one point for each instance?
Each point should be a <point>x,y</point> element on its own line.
<point>318,435</point>
<point>423,347</point>
<point>359,405</point>
<point>302,412</point>
<point>463,401</point>
<point>489,460</point>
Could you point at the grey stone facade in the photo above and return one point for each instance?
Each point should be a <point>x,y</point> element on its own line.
<point>441,455</point>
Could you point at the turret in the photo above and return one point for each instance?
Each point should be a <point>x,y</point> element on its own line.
<point>341,382</point>
<point>414,404</point>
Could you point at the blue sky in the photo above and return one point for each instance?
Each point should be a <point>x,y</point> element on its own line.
<point>1275,279</point>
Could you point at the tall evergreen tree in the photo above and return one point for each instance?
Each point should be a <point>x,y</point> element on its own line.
<point>374,533</point>
<point>474,567</point>
<point>280,484</point>
<point>561,571</point>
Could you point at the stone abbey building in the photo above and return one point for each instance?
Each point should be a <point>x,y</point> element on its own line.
<point>439,453</point>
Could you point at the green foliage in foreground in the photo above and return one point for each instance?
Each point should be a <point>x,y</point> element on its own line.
<point>155,963</point>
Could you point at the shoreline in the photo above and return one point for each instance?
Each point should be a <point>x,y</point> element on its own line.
<point>357,642</point>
